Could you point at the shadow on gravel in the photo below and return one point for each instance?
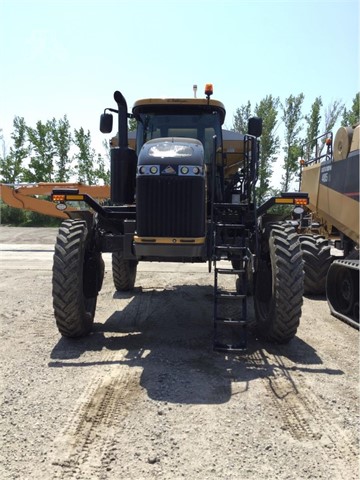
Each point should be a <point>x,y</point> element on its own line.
<point>168,334</point>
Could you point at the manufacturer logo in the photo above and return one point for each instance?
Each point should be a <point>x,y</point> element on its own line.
<point>169,170</point>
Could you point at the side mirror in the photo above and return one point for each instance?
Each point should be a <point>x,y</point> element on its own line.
<point>106,123</point>
<point>255,126</point>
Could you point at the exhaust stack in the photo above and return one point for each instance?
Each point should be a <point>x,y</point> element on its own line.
<point>123,160</point>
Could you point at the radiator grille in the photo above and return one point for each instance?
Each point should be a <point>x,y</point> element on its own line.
<point>170,206</point>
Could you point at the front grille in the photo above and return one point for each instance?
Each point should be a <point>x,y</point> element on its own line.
<point>170,206</point>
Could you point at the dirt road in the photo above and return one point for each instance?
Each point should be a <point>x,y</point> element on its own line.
<point>145,397</point>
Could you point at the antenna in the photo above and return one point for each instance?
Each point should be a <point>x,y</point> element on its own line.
<point>194,89</point>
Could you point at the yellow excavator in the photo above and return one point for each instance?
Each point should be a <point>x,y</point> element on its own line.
<point>332,182</point>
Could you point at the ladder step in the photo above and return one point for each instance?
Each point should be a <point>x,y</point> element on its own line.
<point>229,247</point>
<point>231,322</point>
<point>229,271</point>
<point>237,226</point>
<point>231,295</point>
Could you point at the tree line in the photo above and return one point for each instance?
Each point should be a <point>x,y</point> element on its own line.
<point>53,152</point>
<point>298,128</point>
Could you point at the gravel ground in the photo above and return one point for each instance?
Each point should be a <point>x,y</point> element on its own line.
<point>145,397</point>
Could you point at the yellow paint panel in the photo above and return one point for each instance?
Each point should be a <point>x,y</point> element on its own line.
<point>170,240</point>
<point>340,211</point>
<point>310,179</point>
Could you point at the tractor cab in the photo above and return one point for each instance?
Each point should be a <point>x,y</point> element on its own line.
<point>186,118</point>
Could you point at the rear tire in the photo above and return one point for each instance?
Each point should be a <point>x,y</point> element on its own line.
<point>77,279</point>
<point>279,284</point>
<point>317,260</point>
<point>124,272</point>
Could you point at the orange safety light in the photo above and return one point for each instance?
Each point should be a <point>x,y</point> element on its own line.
<point>209,90</point>
<point>58,198</point>
<point>328,141</point>
<point>302,162</point>
<point>301,201</point>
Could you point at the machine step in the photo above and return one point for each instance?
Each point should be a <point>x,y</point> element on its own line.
<point>233,226</point>
<point>230,295</point>
<point>230,308</point>
<point>227,248</point>
<point>230,322</point>
<point>230,271</point>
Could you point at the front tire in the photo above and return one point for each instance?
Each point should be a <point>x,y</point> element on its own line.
<point>279,284</point>
<point>124,272</point>
<point>77,279</point>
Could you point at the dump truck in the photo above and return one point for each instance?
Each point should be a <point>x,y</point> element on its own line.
<point>180,196</point>
<point>331,220</point>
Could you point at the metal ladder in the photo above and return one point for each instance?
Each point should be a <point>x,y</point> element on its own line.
<point>230,243</point>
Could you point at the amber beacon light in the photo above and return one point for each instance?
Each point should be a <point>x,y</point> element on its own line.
<point>209,90</point>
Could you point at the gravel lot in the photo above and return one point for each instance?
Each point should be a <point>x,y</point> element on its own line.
<point>145,397</point>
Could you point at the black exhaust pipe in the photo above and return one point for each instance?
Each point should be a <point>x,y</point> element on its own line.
<point>122,119</point>
<point>123,160</point>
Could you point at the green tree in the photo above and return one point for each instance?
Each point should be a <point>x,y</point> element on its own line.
<point>241,117</point>
<point>267,109</point>
<point>106,145</point>
<point>313,120</point>
<point>85,156</point>
<point>62,139</point>
<point>11,168</point>
<point>332,114</point>
<point>43,151</point>
<point>352,117</point>
<point>102,173</point>
<point>292,118</point>
<point>132,124</point>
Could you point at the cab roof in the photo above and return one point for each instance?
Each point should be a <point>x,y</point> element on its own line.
<point>178,105</point>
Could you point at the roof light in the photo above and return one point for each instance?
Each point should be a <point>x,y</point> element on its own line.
<point>209,90</point>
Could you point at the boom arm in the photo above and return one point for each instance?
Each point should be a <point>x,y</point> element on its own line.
<point>25,196</point>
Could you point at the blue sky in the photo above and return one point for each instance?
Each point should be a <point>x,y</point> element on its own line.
<point>68,57</point>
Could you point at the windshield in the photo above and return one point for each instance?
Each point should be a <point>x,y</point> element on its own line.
<point>201,126</point>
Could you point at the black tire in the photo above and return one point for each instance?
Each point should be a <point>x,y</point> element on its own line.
<point>343,289</point>
<point>317,260</point>
<point>124,272</point>
<point>279,284</point>
<point>77,279</point>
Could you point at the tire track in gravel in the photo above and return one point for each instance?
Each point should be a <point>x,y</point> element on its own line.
<point>305,416</point>
<point>83,448</point>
